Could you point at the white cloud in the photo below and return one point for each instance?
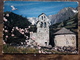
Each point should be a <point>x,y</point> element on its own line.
<point>19,4</point>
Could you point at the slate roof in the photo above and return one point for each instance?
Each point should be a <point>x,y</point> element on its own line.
<point>64,31</point>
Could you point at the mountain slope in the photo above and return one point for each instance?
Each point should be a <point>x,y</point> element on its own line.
<point>16,20</point>
<point>62,15</point>
<point>69,24</point>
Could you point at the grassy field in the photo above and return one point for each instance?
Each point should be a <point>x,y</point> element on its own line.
<point>12,49</point>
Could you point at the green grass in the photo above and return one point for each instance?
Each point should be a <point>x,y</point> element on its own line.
<point>12,49</point>
<point>9,49</point>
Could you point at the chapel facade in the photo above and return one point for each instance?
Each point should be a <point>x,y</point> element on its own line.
<point>41,37</point>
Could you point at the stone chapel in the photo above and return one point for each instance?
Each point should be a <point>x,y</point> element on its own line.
<point>41,37</point>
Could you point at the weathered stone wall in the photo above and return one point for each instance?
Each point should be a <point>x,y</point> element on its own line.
<point>65,40</point>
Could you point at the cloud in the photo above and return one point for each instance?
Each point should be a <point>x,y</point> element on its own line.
<point>41,9</point>
<point>45,8</point>
<point>20,3</point>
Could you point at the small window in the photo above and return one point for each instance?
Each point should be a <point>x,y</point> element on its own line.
<point>42,17</point>
<point>44,24</point>
<point>45,43</point>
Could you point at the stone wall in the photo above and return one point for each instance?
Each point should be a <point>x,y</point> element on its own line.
<point>65,40</point>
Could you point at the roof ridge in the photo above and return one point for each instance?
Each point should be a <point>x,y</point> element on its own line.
<point>63,31</point>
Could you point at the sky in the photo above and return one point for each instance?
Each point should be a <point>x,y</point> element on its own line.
<point>35,8</point>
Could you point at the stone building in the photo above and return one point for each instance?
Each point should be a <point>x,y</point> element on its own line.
<point>65,37</point>
<point>41,37</point>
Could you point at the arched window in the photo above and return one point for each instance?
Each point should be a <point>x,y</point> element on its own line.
<point>44,24</point>
<point>42,17</point>
<point>45,43</point>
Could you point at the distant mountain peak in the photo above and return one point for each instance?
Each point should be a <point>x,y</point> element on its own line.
<point>64,14</point>
<point>75,11</point>
<point>33,20</point>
